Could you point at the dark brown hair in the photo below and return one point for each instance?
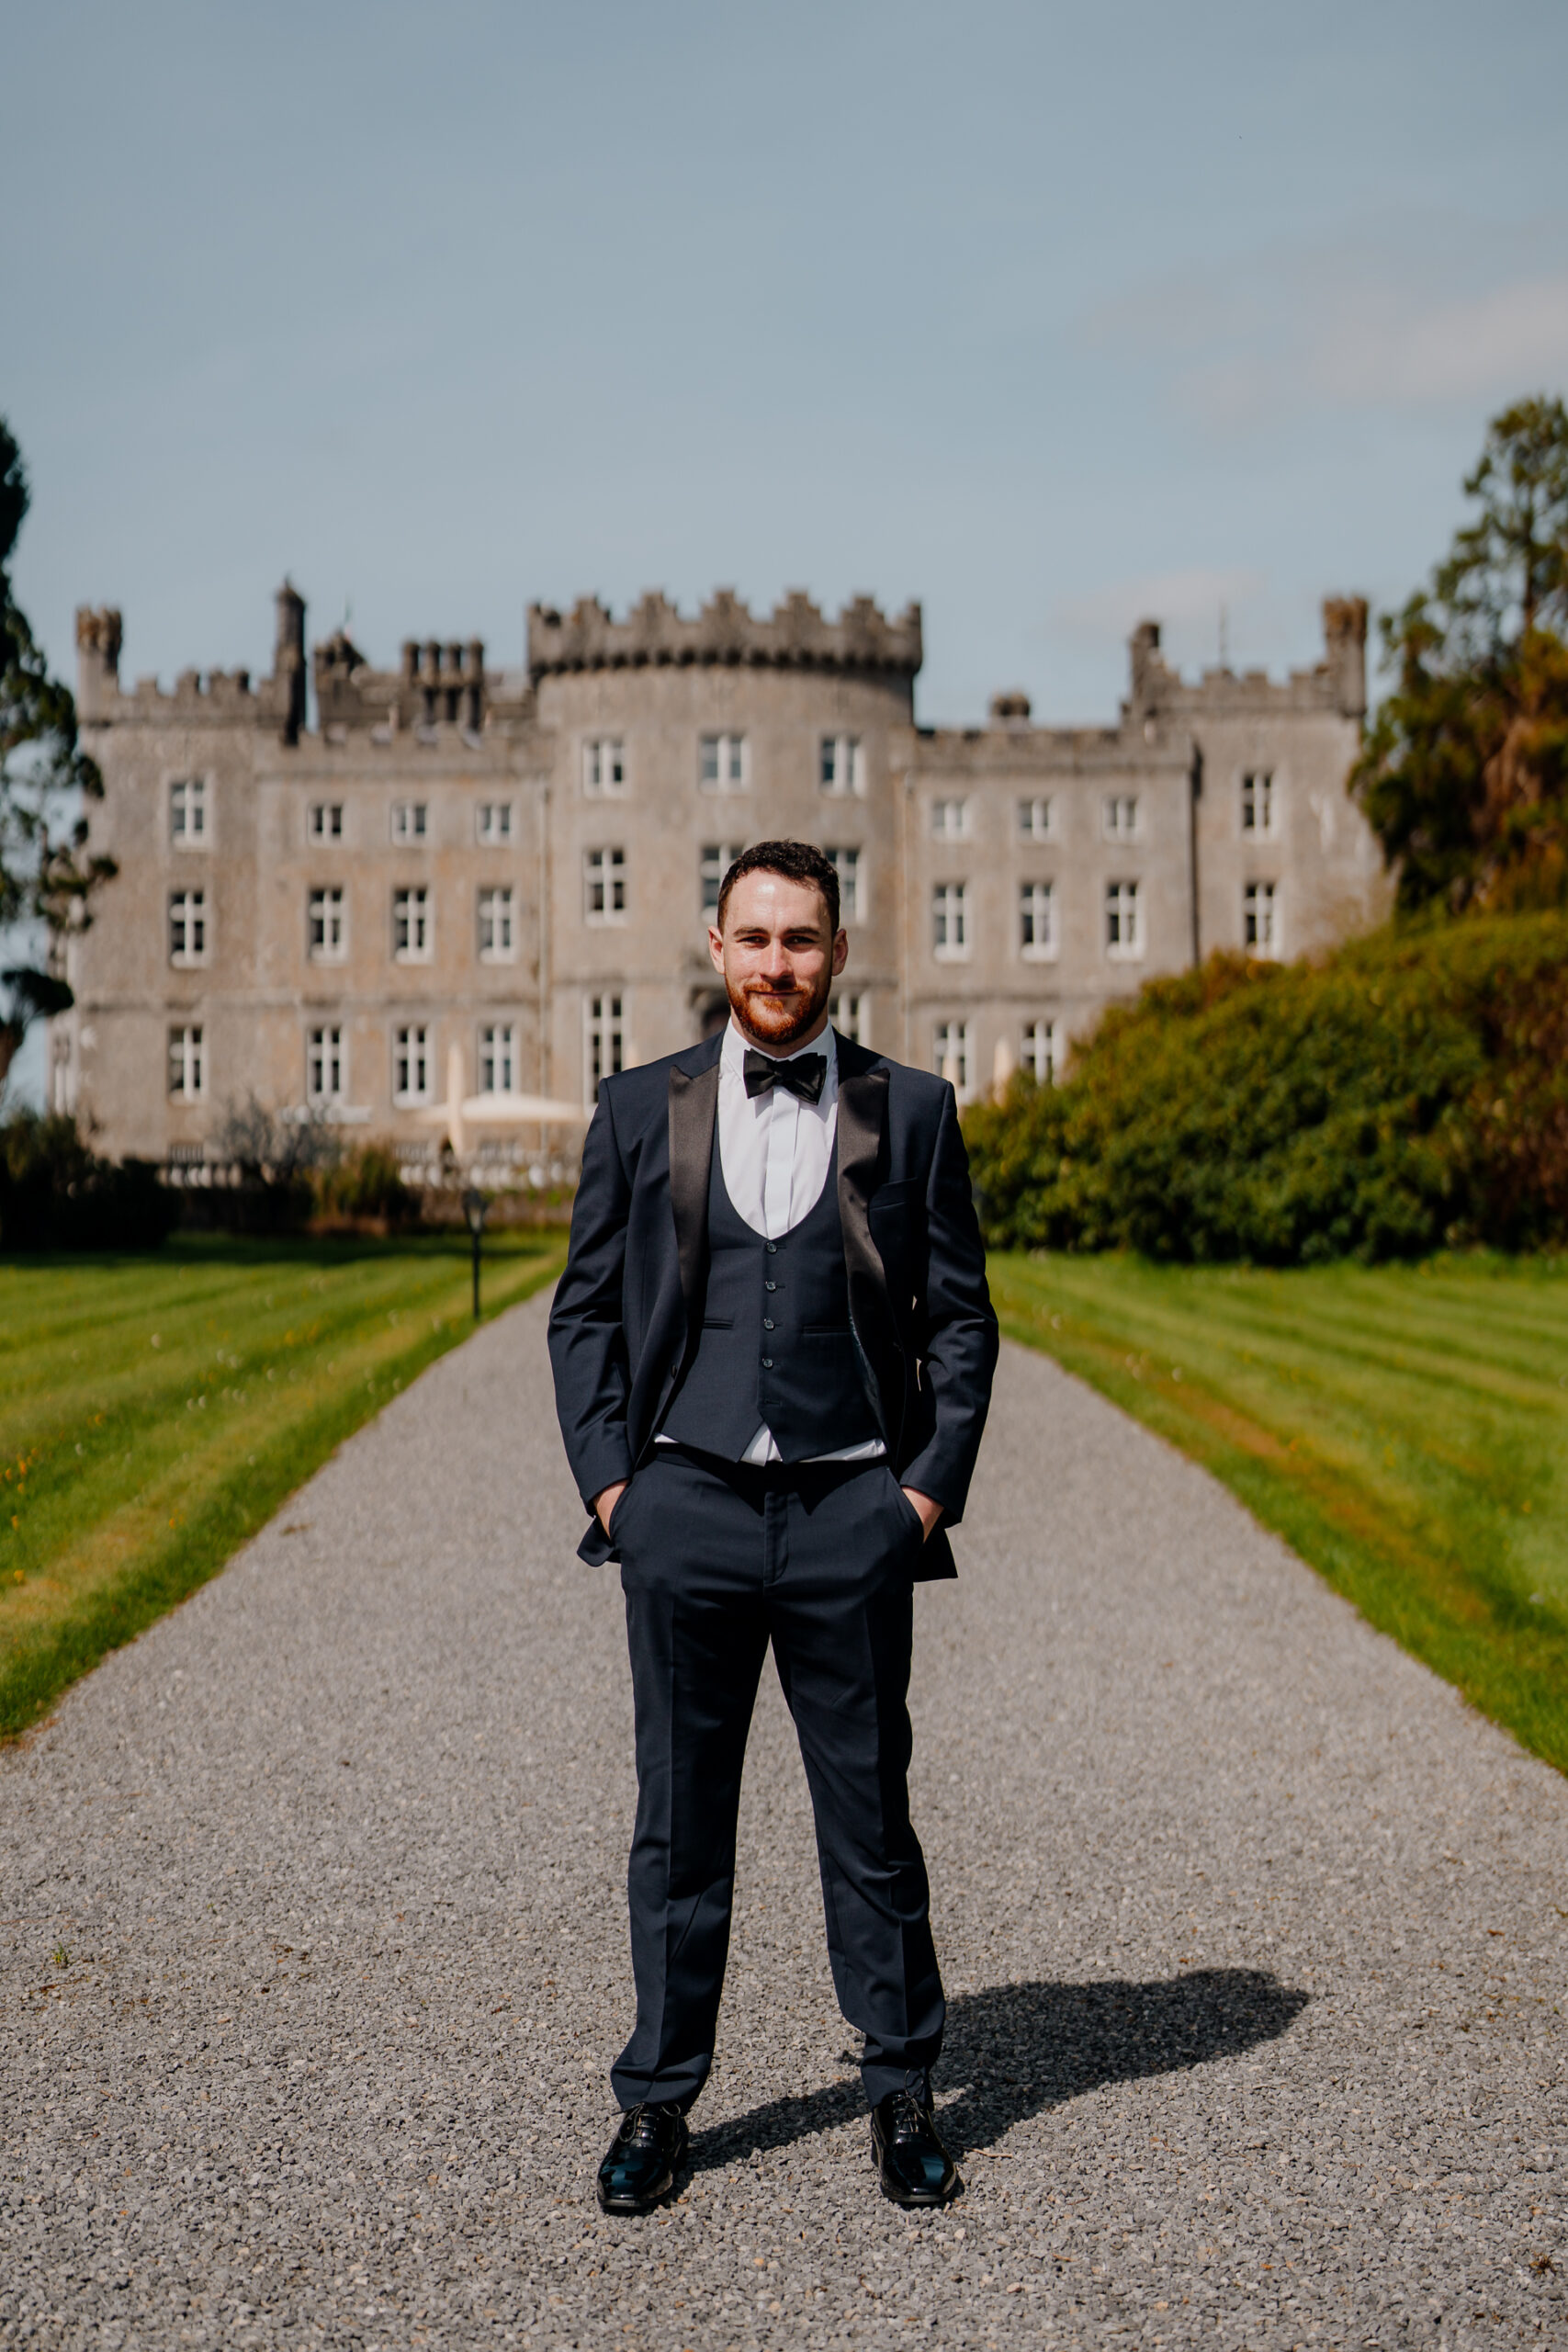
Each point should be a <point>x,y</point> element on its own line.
<point>797,861</point>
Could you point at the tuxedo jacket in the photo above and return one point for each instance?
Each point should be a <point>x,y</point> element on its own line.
<point>628,1309</point>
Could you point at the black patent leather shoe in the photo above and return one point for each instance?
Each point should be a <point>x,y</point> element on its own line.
<point>914,2167</point>
<point>638,2171</point>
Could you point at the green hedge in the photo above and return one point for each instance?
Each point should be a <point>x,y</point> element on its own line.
<point>56,1193</point>
<point>1407,1094</point>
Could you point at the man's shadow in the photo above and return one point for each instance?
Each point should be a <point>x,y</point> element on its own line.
<point>1019,2048</point>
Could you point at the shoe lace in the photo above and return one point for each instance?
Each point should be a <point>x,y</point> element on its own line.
<point>910,2118</point>
<point>642,2126</point>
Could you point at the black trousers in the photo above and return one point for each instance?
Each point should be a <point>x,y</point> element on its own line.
<point>717,1560</point>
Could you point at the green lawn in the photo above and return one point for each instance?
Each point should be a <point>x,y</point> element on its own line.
<point>1406,1429</point>
<point>156,1409</point>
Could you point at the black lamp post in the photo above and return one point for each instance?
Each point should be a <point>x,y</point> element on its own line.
<point>474,1207</point>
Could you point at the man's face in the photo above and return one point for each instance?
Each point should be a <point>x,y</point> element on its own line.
<point>778,958</point>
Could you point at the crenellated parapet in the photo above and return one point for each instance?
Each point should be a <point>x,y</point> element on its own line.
<point>1338,683</point>
<point>796,636</point>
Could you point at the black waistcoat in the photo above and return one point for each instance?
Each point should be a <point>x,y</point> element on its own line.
<point>775,1344</point>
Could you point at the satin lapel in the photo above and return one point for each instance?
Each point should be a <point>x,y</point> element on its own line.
<point>694,1105</point>
<point>862,1120</point>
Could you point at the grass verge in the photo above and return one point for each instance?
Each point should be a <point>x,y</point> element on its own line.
<point>1403,1427</point>
<point>156,1409</point>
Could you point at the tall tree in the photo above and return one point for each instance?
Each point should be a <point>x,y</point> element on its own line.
<point>47,878</point>
<point>1465,772</point>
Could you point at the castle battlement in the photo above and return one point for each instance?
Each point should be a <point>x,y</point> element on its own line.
<point>1337,684</point>
<point>795,636</point>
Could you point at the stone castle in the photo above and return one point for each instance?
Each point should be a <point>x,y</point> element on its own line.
<point>447,910</point>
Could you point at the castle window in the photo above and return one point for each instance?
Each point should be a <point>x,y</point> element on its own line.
<point>950,922</point>
<point>1040,1050</point>
<point>604,1043</point>
<point>842,768</point>
<point>1123,923</point>
<point>1120,816</point>
<point>409,821</point>
<point>603,767</point>
<point>712,865</point>
<point>410,1066</point>
<point>328,926</point>
<point>850,1016</point>
<point>950,820</point>
<point>188,813</point>
<point>498,930</point>
<point>494,823</point>
<point>187,1064</point>
<point>1260,921</point>
<point>411,926</point>
<point>1037,920</point>
<point>721,763</point>
<point>1258,804</point>
<point>847,866</point>
<point>326,1067</point>
<point>187,927</point>
<point>498,1058</point>
<point>325,820</point>
<point>1034,819</point>
<point>604,885</point>
<point>949,1053</point>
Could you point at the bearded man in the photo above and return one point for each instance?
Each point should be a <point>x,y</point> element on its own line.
<point>773,1348</point>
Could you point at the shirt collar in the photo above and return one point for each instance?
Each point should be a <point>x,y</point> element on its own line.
<point>733,1056</point>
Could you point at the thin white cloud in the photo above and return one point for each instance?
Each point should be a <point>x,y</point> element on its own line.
<point>1394,321</point>
<point>1183,600</point>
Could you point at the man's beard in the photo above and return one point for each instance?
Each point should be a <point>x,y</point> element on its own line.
<point>778,1020</point>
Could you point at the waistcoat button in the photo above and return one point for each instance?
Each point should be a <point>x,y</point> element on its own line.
<point>766,1325</point>
<point>771,1247</point>
<point>767,1364</point>
<point>770,1286</point>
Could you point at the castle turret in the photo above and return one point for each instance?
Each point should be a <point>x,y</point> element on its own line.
<point>98,659</point>
<point>288,660</point>
<point>1344,651</point>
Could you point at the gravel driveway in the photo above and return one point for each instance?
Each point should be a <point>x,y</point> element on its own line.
<point>1254,1939</point>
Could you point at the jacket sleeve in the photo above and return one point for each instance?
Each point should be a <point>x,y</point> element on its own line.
<point>959,1342</point>
<point>588,1348</point>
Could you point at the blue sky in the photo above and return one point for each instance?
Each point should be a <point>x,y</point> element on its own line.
<point>1047,315</point>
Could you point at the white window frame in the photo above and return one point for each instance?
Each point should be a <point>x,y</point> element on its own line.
<point>849,865</point>
<point>1124,921</point>
<point>1120,816</point>
<point>326,924</point>
<point>605,767</point>
<point>731,759</point>
<point>497,1057</point>
<point>412,1062</point>
<point>190,921</point>
<point>190,808</point>
<point>1037,938</point>
<point>956,1038</point>
<point>188,1063</point>
<point>413,924</point>
<point>1036,818</point>
<point>323,821</point>
<point>714,862</point>
<point>1040,1050</point>
<point>326,1064</point>
<point>950,818</point>
<point>840,766</point>
<point>850,1016</point>
<point>604,1040</point>
<point>1259,805</point>
<point>410,823</point>
<point>604,885</point>
<point>496,914</point>
<point>494,824</point>
<point>950,922</point>
<point>1260,921</point>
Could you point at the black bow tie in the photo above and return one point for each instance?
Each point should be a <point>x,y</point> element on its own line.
<point>803,1076</point>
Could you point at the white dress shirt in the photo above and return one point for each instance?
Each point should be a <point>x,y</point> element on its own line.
<point>777,1152</point>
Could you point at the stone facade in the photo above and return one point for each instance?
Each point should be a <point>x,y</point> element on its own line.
<point>487,883</point>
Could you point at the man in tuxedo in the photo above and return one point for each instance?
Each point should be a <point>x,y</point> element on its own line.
<point>773,1348</point>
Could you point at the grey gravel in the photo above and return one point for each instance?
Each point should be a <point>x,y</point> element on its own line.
<point>1254,1938</point>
